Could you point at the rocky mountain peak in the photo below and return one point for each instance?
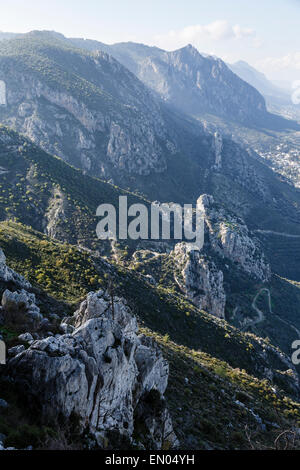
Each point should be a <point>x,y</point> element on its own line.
<point>192,82</point>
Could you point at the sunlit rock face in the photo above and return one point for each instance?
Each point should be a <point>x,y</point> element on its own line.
<point>2,93</point>
<point>230,238</point>
<point>200,279</point>
<point>104,372</point>
<point>125,127</point>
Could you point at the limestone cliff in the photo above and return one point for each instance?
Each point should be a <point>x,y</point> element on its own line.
<point>229,237</point>
<point>103,120</point>
<point>104,373</point>
<point>201,280</point>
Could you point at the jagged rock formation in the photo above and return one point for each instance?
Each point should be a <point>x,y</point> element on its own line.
<point>202,281</point>
<point>9,275</point>
<point>2,93</point>
<point>229,237</point>
<point>21,301</point>
<point>104,373</point>
<point>56,211</point>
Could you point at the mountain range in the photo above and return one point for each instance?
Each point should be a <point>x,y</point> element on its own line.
<point>83,123</point>
<point>195,83</point>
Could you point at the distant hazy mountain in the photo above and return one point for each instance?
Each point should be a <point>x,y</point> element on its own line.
<point>194,83</point>
<point>6,36</point>
<point>257,79</point>
<point>282,84</point>
<point>278,98</point>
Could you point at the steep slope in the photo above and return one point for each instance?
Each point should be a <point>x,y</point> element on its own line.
<point>156,307</point>
<point>210,164</point>
<point>54,198</point>
<point>230,277</point>
<point>150,278</point>
<point>204,87</point>
<point>95,114</point>
<point>81,104</point>
<point>99,117</point>
<point>272,137</point>
<point>43,191</point>
<point>200,374</point>
<point>208,309</point>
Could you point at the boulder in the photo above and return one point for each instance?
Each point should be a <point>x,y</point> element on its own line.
<point>16,350</point>
<point>26,337</point>
<point>21,301</point>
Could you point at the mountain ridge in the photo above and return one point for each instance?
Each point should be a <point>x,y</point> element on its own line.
<point>147,62</point>
<point>127,136</point>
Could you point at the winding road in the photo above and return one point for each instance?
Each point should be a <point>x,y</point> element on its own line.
<point>260,315</point>
<point>281,234</point>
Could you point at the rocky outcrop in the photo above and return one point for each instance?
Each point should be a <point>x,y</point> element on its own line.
<point>218,147</point>
<point>9,275</point>
<point>200,280</point>
<point>23,302</point>
<point>2,93</point>
<point>138,153</point>
<point>287,372</point>
<point>104,373</point>
<point>226,236</point>
<point>229,237</point>
<point>57,206</point>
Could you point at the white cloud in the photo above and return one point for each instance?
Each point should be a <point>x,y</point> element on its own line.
<point>284,68</point>
<point>218,30</point>
<point>240,32</point>
<point>257,43</point>
<point>289,61</point>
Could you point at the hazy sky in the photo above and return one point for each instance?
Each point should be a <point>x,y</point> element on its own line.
<point>263,32</point>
